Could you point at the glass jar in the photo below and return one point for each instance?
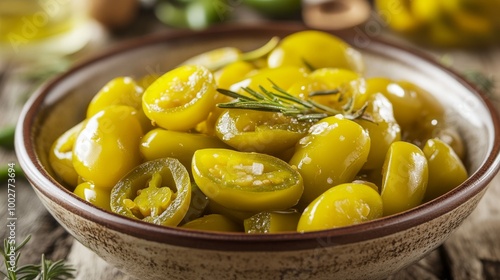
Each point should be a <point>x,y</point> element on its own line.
<point>34,27</point>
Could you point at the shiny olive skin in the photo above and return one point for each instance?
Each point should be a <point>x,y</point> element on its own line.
<point>406,104</point>
<point>169,183</point>
<point>283,77</point>
<point>446,170</point>
<point>348,83</point>
<point>107,147</point>
<point>233,73</point>
<point>382,128</point>
<point>213,222</point>
<point>313,49</point>
<point>61,155</point>
<point>120,91</point>
<point>180,98</point>
<point>255,131</point>
<point>419,115</point>
<point>97,196</point>
<point>342,205</point>
<point>246,181</point>
<point>332,153</point>
<point>404,178</point>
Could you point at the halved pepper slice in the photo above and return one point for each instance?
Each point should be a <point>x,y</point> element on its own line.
<point>157,192</point>
<point>181,98</point>
<point>246,181</point>
<point>61,155</point>
<point>342,205</point>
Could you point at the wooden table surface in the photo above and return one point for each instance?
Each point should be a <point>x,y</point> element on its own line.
<point>472,252</point>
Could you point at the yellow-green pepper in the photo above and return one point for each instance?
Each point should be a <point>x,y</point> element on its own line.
<point>283,77</point>
<point>404,180</point>
<point>97,196</point>
<point>157,192</point>
<point>61,155</point>
<point>342,205</point>
<point>331,153</point>
<point>349,84</point>
<point>446,170</point>
<point>108,146</point>
<point>246,181</point>
<point>120,91</point>
<point>313,49</point>
<point>263,132</point>
<point>181,98</point>
<point>382,128</point>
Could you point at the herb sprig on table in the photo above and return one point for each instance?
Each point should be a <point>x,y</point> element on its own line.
<point>46,270</point>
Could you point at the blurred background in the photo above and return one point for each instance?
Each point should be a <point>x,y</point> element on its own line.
<point>39,38</point>
<point>33,30</point>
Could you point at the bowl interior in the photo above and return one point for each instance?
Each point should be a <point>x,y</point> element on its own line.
<point>62,103</point>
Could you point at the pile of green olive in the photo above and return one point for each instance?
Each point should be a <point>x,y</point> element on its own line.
<point>175,150</point>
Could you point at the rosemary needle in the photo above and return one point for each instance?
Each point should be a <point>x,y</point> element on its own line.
<point>280,101</point>
<point>46,270</point>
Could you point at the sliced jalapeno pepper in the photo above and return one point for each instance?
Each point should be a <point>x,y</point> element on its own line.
<point>246,181</point>
<point>157,192</point>
<point>263,132</point>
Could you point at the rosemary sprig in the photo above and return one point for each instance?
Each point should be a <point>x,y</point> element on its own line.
<point>280,101</point>
<point>46,270</point>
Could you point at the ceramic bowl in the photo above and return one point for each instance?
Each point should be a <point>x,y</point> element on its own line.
<point>371,250</point>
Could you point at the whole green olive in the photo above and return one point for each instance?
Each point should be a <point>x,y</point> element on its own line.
<point>331,153</point>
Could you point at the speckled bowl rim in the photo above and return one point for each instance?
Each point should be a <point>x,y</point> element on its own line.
<point>49,187</point>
